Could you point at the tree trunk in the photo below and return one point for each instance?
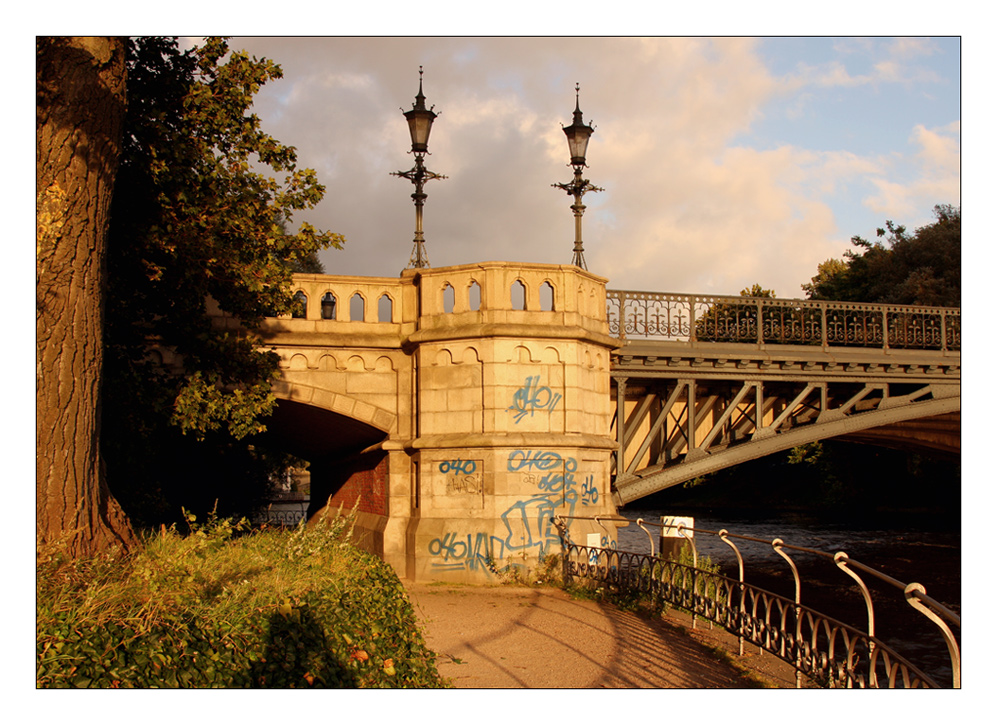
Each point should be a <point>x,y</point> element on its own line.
<point>80,111</point>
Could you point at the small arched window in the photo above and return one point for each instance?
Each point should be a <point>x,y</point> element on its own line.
<point>357,307</point>
<point>328,306</point>
<point>547,296</point>
<point>300,305</point>
<point>448,298</point>
<point>518,295</point>
<point>474,296</point>
<point>385,309</point>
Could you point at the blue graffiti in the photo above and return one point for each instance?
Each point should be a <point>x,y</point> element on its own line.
<point>539,460</point>
<point>528,522</point>
<point>458,466</point>
<point>480,553</point>
<point>531,398</point>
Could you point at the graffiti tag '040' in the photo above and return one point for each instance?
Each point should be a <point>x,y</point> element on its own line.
<point>532,398</point>
<point>529,529</point>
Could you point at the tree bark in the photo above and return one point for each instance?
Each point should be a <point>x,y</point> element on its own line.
<point>80,111</point>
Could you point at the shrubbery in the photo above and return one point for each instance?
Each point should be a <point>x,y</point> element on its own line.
<point>223,608</point>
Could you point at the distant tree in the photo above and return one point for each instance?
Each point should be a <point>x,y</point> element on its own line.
<point>195,222</point>
<point>80,109</point>
<point>732,322</point>
<point>912,269</point>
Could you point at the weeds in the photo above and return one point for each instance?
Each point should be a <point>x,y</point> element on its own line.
<point>221,606</point>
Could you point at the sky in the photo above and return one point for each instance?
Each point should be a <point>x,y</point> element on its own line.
<point>724,161</point>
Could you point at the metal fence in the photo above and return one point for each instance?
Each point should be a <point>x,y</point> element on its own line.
<point>288,512</point>
<point>735,319</point>
<point>831,653</point>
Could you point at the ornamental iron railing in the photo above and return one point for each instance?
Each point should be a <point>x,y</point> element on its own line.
<point>734,319</point>
<point>831,653</point>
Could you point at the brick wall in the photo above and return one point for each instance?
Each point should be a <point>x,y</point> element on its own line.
<point>364,480</point>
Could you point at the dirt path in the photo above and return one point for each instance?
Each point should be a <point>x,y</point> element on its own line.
<point>520,637</point>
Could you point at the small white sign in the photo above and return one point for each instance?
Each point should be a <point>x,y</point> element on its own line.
<point>593,540</point>
<point>671,526</point>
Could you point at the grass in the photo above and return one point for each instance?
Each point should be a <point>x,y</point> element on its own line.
<point>223,606</point>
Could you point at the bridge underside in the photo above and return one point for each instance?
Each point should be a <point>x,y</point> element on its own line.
<point>313,433</point>
<point>938,434</point>
<point>680,415</point>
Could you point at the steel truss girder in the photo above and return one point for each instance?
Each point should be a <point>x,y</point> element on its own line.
<point>750,418</point>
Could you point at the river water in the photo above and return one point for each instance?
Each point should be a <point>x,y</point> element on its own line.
<point>911,553</point>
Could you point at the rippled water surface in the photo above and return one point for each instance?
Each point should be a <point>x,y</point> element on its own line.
<point>906,554</point>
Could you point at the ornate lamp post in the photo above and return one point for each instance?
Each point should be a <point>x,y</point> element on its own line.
<point>420,120</point>
<point>578,139</point>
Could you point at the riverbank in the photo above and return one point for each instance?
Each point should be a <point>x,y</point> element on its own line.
<point>525,637</point>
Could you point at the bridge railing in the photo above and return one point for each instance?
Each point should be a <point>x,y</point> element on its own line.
<point>735,319</point>
<point>830,652</point>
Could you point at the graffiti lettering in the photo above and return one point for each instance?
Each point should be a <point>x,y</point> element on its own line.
<point>466,554</point>
<point>528,522</point>
<point>531,398</point>
<point>468,484</point>
<point>539,460</point>
<point>458,466</point>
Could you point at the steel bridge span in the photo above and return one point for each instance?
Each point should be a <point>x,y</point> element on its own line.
<point>706,382</point>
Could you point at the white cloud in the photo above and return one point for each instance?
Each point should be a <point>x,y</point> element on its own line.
<point>688,205</point>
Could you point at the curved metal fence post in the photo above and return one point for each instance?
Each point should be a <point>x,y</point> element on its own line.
<point>914,594</point>
<point>651,542</point>
<point>681,528</point>
<point>723,534</point>
<point>841,560</point>
<point>777,545</point>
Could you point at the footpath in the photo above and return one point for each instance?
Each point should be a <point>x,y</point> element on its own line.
<point>525,637</point>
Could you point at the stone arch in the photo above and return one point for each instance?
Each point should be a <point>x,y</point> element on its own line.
<point>546,296</point>
<point>474,296</point>
<point>327,306</point>
<point>300,309</point>
<point>327,362</point>
<point>358,307</point>
<point>342,405</point>
<point>521,354</point>
<point>550,354</point>
<point>448,298</point>
<point>386,309</point>
<point>444,357</point>
<point>518,295</point>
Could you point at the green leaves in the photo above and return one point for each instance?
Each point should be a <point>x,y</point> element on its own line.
<point>213,610</point>
<point>203,405</point>
<point>920,268</point>
<point>201,204</point>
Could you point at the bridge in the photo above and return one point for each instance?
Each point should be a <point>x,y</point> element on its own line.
<point>459,409</point>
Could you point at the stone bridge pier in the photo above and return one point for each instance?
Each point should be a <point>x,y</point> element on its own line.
<point>458,409</point>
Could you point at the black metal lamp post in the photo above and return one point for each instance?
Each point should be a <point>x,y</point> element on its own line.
<point>420,120</point>
<point>578,139</point>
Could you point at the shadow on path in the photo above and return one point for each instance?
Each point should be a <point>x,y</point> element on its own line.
<point>519,637</point>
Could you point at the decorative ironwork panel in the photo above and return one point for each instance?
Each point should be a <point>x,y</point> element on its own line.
<point>736,319</point>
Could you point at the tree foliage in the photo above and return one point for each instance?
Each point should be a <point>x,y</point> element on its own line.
<point>199,219</point>
<point>920,268</point>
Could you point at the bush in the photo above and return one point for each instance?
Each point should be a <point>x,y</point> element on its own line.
<point>222,607</point>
